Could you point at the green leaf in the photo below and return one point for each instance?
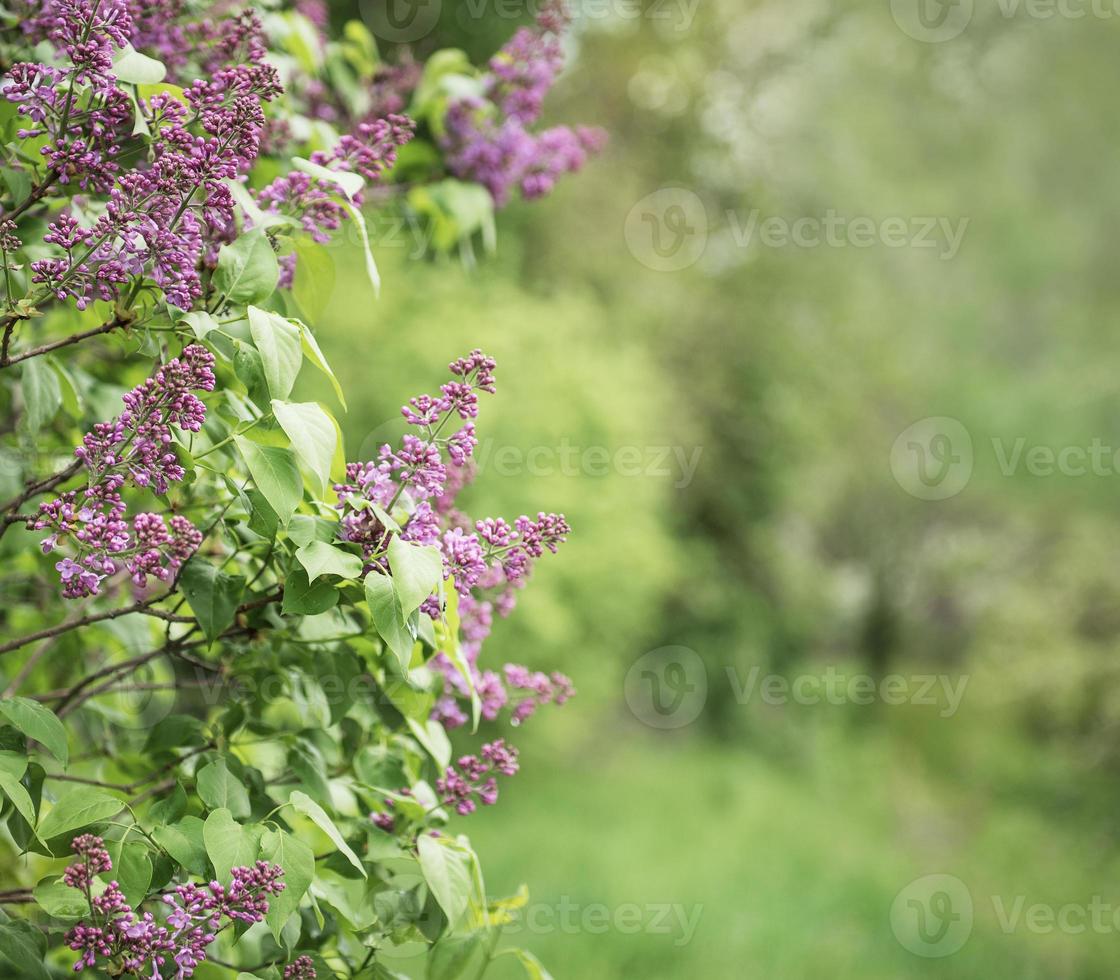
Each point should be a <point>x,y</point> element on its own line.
<point>305,760</point>
<point>175,732</point>
<point>459,957</point>
<point>13,764</point>
<point>185,841</point>
<point>132,869</point>
<point>314,279</point>
<point>60,900</point>
<point>42,394</point>
<point>433,736</point>
<point>314,437</point>
<point>304,598</point>
<point>348,182</point>
<point>304,529</point>
<point>170,808</point>
<point>315,355</point>
<point>319,558</point>
<point>262,518</point>
<point>138,69</point>
<point>533,967</point>
<point>247,269</point>
<point>212,595</point>
<point>447,868</point>
<point>229,844</point>
<point>278,342</point>
<point>363,236</point>
<point>19,946</point>
<point>385,608</point>
<point>276,475</point>
<point>16,791</point>
<point>318,816</point>
<point>417,572</point>
<point>249,368</point>
<point>200,322</point>
<point>219,788</point>
<point>298,861</point>
<point>79,807</point>
<point>38,723</point>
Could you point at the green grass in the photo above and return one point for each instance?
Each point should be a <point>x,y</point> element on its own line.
<point>791,867</point>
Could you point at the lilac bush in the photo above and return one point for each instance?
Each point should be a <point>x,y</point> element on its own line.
<point>259,648</point>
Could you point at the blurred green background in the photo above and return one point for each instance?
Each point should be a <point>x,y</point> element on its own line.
<point>719,832</point>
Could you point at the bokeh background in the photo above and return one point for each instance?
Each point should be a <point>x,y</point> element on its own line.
<point>888,455</point>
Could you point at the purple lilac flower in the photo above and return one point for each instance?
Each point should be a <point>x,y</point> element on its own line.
<point>95,860</point>
<point>134,449</point>
<point>313,201</point>
<point>138,944</point>
<point>170,212</point>
<point>490,557</point>
<point>472,780</point>
<point>301,968</point>
<point>488,139</point>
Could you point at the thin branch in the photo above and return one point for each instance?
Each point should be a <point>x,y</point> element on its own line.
<point>135,784</point>
<point>70,700</point>
<point>143,607</point>
<point>110,325</point>
<point>154,791</point>
<point>41,486</point>
<point>25,671</point>
<point>34,197</point>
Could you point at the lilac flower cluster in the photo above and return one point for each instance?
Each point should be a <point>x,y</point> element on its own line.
<point>416,470</point>
<point>186,37</point>
<point>301,968</point>
<point>472,780</point>
<point>135,449</point>
<point>169,213</point>
<point>489,140</point>
<point>489,556</point>
<point>95,860</point>
<point>313,201</point>
<point>523,689</point>
<point>137,943</point>
<point>81,141</point>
